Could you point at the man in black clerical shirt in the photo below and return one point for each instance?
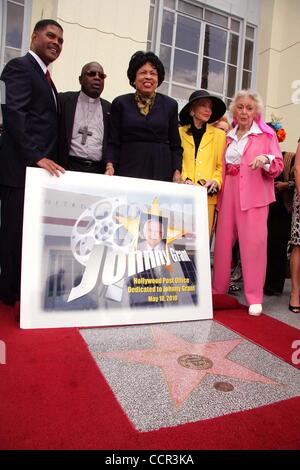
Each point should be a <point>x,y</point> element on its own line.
<point>83,123</point>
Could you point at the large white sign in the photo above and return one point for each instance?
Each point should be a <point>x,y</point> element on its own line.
<point>100,250</point>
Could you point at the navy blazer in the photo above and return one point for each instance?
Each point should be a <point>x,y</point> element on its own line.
<point>144,146</point>
<point>67,106</point>
<point>30,120</point>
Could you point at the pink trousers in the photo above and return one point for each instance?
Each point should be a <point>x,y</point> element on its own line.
<point>250,227</point>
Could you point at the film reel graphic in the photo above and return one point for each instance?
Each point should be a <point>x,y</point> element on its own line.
<point>100,224</point>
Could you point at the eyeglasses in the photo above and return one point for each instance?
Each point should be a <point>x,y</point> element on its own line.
<point>93,73</point>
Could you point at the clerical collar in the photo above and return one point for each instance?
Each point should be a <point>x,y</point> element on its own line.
<point>84,97</point>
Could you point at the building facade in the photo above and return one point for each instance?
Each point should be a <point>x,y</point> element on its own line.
<point>219,45</point>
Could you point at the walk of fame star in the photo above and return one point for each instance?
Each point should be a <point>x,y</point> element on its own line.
<point>185,365</point>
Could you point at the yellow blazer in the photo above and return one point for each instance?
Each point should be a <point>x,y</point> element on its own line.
<point>208,163</point>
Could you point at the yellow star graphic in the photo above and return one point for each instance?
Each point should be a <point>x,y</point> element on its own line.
<point>132,225</point>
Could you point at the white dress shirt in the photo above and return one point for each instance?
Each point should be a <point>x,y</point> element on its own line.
<point>236,148</point>
<point>44,69</point>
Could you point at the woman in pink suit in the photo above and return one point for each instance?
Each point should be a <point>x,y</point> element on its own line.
<point>252,159</point>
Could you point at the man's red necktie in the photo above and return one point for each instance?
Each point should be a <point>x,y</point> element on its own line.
<point>48,77</point>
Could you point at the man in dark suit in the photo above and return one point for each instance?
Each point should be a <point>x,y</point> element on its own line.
<point>29,138</point>
<point>83,123</point>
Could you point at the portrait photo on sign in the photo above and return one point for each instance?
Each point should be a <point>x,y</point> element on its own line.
<point>153,232</point>
<point>169,275</point>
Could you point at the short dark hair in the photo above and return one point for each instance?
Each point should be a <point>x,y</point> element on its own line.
<point>44,23</point>
<point>139,59</point>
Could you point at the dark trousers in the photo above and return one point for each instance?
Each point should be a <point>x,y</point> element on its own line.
<point>279,230</point>
<point>12,204</point>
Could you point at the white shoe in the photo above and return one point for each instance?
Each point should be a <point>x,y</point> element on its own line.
<point>255,310</point>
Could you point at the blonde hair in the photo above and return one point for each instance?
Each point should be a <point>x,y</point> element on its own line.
<point>247,94</point>
<point>223,124</point>
<point>225,119</point>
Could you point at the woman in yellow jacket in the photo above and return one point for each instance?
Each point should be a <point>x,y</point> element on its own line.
<point>203,145</point>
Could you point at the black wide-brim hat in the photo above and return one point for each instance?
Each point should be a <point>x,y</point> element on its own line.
<point>218,107</point>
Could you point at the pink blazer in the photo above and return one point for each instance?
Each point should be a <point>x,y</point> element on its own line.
<point>256,186</point>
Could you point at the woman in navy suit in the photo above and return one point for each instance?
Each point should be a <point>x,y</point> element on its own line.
<point>144,140</point>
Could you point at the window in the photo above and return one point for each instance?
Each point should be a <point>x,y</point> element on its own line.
<point>190,9</point>
<point>63,273</point>
<point>151,25</point>
<point>214,55</point>
<point>201,48</point>
<point>15,18</point>
<point>248,57</point>
<point>216,18</point>
<point>14,28</point>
